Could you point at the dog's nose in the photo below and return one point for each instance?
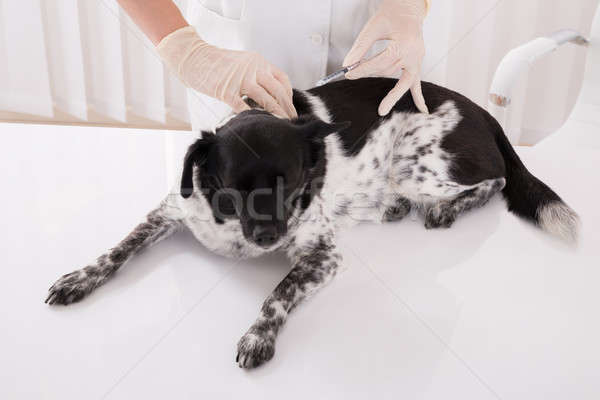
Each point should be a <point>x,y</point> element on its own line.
<point>265,236</point>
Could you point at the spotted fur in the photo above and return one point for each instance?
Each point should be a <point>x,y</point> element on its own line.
<point>315,260</point>
<point>378,170</point>
<point>76,285</point>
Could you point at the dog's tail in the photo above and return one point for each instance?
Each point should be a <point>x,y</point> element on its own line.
<point>532,199</point>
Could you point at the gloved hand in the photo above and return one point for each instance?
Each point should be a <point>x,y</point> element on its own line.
<point>227,75</point>
<point>400,22</point>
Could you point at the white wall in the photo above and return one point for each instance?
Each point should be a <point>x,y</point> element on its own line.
<point>481,32</point>
<point>465,40</point>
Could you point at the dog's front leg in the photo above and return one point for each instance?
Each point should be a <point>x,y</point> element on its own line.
<point>315,263</point>
<point>74,286</point>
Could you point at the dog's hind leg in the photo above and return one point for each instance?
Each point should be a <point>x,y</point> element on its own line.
<point>72,287</point>
<point>443,213</point>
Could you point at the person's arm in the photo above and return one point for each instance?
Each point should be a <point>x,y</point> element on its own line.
<point>224,74</point>
<point>401,23</point>
<point>156,18</point>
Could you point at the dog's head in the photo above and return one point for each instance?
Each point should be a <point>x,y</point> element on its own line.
<point>258,168</point>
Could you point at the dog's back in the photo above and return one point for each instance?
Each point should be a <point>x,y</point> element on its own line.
<point>444,163</point>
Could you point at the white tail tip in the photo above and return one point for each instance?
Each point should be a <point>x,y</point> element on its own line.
<point>560,220</point>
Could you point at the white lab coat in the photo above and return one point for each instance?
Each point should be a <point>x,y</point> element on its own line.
<point>305,38</point>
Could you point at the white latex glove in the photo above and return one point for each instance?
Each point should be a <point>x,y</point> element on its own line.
<point>227,75</point>
<point>401,23</point>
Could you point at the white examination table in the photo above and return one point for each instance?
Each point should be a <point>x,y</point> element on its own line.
<point>491,307</point>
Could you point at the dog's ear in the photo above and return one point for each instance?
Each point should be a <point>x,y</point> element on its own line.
<point>318,129</point>
<point>196,155</point>
<point>314,131</point>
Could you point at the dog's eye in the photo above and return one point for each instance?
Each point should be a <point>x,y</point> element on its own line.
<point>287,182</point>
<point>291,181</point>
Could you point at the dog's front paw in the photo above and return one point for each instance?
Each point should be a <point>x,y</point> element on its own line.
<point>254,349</point>
<point>439,216</point>
<point>398,211</point>
<point>71,287</point>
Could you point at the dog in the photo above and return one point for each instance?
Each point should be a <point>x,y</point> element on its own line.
<point>260,184</point>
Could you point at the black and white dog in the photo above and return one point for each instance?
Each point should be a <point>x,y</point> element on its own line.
<point>262,184</point>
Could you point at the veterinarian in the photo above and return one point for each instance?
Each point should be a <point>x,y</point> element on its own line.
<point>230,48</point>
